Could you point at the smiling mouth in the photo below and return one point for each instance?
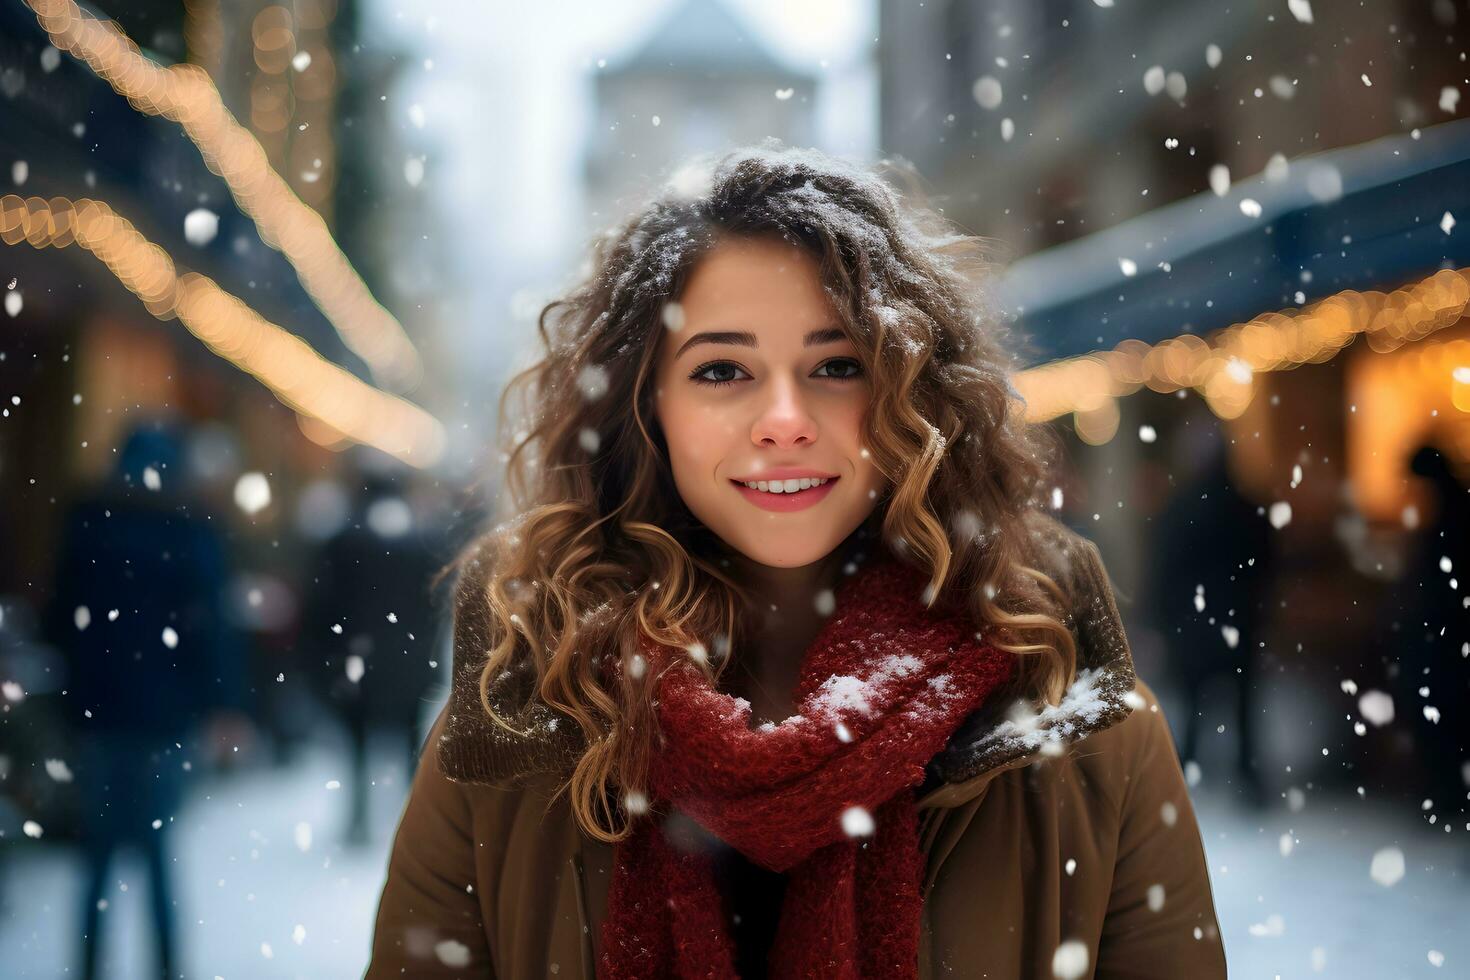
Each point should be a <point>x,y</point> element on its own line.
<point>780,488</point>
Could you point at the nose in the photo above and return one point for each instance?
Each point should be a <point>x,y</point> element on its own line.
<point>784,419</point>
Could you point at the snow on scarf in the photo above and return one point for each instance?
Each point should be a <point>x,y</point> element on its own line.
<point>826,797</point>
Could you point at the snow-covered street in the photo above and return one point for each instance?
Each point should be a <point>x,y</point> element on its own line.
<point>256,903</point>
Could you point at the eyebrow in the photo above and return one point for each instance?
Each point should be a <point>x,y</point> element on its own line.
<point>745,338</point>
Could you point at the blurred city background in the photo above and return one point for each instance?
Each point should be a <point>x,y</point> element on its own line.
<point>241,435</point>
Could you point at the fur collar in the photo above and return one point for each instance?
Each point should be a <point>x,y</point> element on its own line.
<point>472,748</point>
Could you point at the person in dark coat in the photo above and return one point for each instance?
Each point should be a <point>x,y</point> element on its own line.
<point>372,627</point>
<point>138,611</point>
<point>1435,639</point>
<point>1215,551</point>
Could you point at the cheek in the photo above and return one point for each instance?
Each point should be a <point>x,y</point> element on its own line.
<point>694,434</point>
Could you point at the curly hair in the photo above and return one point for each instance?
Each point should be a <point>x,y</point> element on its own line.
<point>593,547</point>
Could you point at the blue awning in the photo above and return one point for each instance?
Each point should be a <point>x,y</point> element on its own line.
<point>1363,217</point>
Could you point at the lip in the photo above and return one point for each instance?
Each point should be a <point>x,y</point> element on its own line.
<point>786,502</point>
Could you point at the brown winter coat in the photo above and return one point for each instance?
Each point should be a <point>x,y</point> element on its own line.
<point>1079,829</point>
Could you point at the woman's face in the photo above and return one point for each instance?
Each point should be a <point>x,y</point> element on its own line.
<point>759,384</point>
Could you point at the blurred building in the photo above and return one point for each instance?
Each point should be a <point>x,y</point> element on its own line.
<point>170,237</point>
<point>699,83</point>
<point>1256,208</point>
<point>1039,122</point>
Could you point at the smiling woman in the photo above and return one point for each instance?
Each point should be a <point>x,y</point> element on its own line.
<point>792,411</point>
<point>775,577</point>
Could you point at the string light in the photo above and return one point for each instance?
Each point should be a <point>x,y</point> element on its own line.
<point>185,93</point>
<point>1223,369</point>
<point>339,405</point>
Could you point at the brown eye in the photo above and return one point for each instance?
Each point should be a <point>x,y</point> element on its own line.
<point>698,375</point>
<point>857,368</point>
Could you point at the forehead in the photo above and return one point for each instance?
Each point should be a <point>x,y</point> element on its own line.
<point>755,282</point>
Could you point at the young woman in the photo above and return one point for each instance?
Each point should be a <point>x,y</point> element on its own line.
<point>775,663</point>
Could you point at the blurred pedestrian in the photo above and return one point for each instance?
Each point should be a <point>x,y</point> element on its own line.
<point>1435,639</point>
<point>1215,556</point>
<point>372,629</point>
<point>138,610</point>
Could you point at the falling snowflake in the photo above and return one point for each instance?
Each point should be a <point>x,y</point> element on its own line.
<point>200,227</point>
<point>1220,179</point>
<point>452,953</point>
<point>987,92</point>
<point>1071,958</point>
<point>1387,867</point>
<point>1274,925</point>
<point>635,802</point>
<point>1376,707</point>
<point>857,822</point>
<point>593,381</point>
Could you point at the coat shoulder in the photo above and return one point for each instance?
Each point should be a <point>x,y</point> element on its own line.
<point>1001,732</point>
<point>535,739</point>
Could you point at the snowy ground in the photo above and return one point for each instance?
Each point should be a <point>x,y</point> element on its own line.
<point>1317,912</point>
<point>246,883</point>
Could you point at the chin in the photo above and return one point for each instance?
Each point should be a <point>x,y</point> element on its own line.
<point>786,557</point>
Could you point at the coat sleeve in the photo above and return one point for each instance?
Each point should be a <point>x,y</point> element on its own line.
<point>1160,921</point>
<point>429,921</point>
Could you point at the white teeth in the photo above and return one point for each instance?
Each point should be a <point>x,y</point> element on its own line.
<point>784,486</point>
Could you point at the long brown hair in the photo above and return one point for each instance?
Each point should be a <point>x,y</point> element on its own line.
<point>593,545</point>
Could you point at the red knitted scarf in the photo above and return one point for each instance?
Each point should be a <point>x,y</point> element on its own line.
<point>826,797</point>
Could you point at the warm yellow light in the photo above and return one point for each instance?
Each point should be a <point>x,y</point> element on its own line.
<point>297,375</point>
<point>185,93</point>
<point>1223,367</point>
